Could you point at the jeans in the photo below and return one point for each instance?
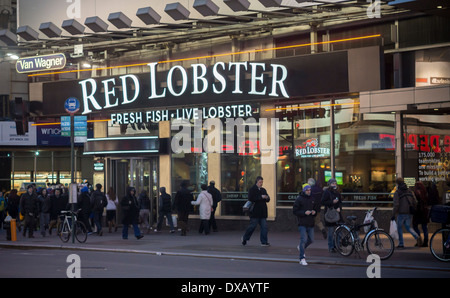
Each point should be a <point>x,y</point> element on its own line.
<point>251,228</point>
<point>168,215</point>
<point>306,238</point>
<point>330,237</point>
<point>98,220</point>
<point>137,232</point>
<point>404,219</point>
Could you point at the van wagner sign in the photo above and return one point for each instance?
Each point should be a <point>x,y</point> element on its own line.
<point>41,63</point>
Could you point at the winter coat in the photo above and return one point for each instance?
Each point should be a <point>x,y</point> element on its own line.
<point>216,195</point>
<point>84,203</point>
<point>98,201</point>
<point>260,207</point>
<point>403,199</point>
<point>57,205</point>
<point>301,205</point>
<point>205,201</point>
<point>144,200</point>
<point>29,204</point>
<point>165,202</point>
<point>327,200</point>
<point>421,216</point>
<point>182,201</point>
<point>130,208</point>
<point>44,203</point>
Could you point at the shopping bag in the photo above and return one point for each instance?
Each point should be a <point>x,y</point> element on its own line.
<point>393,230</point>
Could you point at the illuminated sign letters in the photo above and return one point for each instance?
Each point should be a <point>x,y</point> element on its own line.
<point>264,80</point>
<point>41,63</point>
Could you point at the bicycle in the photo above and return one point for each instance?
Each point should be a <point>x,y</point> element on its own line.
<point>65,227</point>
<point>346,238</point>
<point>440,240</point>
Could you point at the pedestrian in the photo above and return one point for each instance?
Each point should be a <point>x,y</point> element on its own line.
<point>331,198</point>
<point>2,208</point>
<point>84,205</point>
<point>29,207</point>
<point>58,203</point>
<point>144,210</point>
<point>259,197</point>
<point>405,203</point>
<point>111,209</point>
<point>306,209</point>
<point>316,193</point>
<point>12,205</point>
<point>205,201</point>
<point>217,197</point>
<point>130,208</point>
<point>165,209</point>
<point>98,203</point>
<point>44,207</point>
<point>182,203</point>
<point>421,216</point>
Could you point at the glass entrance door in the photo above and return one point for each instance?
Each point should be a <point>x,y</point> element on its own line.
<point>140,173</point>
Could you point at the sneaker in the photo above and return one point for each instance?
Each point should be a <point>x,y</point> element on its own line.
<point>244,242</point>
<point>172,231</point>
<point>303,262</point>
<point>400,247</point>
<point>139,237</point>
<point>265,244</point>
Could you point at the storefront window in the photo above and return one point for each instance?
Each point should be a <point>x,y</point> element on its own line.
<point>304,148</point>
<point>240,165</point>
<point>364,152</point>
<point>427,151</point>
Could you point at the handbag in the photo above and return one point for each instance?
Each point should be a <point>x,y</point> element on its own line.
<point>393,232</point>
<point>332,215</point>
<point>248,206</point>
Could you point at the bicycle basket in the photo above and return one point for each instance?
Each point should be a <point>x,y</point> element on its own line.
<point>439,214</point>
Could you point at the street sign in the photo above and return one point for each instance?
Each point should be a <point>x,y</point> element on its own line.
<point>80,128</point>
<point>72,105</point>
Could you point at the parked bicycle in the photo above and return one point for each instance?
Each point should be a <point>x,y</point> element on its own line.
<point>347,239</point>
<point>440,240</point>
<point>65,227</point>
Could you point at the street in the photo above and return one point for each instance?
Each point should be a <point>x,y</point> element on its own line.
<point>53,263</point>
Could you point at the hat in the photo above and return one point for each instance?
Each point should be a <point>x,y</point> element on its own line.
<point>85,189</point>
<point>332,180</point>
<point>306,187</point>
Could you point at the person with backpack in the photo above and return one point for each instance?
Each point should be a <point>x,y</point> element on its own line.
<point>405,204</point>
<point>98,203</point>
<point>130,209</point>
<point>165,209</point>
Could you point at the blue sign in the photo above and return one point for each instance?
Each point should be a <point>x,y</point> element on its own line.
<point>72,105</point>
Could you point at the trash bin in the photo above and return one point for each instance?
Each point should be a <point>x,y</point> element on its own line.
<point>7,227</point>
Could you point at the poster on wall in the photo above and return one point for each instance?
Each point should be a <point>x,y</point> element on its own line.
<point>9,136</point>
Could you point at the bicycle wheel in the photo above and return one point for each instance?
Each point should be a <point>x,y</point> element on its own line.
<point>343,241</point>
<point>80,232</point>
<point>63,231</point>
<point>437,248</point>
<point>380,243</point>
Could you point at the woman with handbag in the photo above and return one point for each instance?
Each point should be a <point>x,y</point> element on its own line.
<point>331,199</point>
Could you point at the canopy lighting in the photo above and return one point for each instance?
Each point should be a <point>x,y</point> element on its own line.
<point>148,15</point>
<point>237,5</point>
<point>96,24</point>
<point>120,20</point>
<point>50,29</point>
<point>27,33</point>
<point>177,11</point>
<point>206,7</point>
<point>73,27</point>
<point>271,3</point>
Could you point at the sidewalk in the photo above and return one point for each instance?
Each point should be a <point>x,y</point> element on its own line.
<point>227,244</point>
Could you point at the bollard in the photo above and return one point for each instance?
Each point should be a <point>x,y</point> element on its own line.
<point>13,230</point>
